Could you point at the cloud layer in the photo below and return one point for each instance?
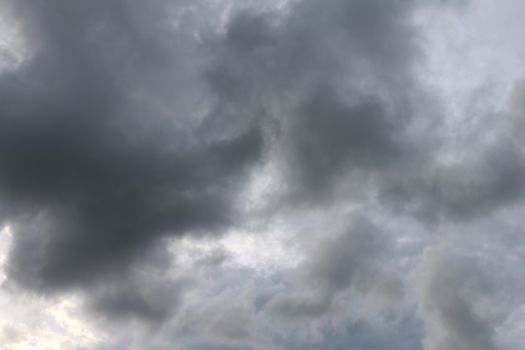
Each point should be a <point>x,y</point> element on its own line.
<point>145,148</point>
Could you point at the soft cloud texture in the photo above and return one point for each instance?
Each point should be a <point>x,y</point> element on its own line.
<point>261,175</point>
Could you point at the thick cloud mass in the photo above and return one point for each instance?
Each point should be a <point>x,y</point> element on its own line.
<point>91,175</point>
<point>262,174</point>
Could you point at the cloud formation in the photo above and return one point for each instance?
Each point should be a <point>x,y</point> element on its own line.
<point>92,175</point>
<point>145,148</point>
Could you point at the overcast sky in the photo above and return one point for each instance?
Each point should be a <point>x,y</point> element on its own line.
<point>262,174</point>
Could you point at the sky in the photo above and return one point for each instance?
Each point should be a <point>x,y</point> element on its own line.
<point>262,174</point>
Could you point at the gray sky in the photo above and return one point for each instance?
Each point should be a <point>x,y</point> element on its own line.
<point>227,174</point>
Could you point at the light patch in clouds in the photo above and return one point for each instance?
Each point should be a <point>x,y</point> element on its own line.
<point>30,322</point>
<point>467,59</point>
<point>263,252</point>
<point>33,323</point>
<point>13,49</point>
<point>5,242</point>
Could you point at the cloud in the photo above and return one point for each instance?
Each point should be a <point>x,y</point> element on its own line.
<point>130,128</point>
<point>92,172</point>
<point>327,76</point>
<point>351,115</point>
<point>348,266</point>
<point>452,295</point>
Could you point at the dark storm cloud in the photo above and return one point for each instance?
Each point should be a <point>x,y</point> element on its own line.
<point>128,123</point>
<point>94,172</point>
<point>94,169</point>
<point>480,185</point>
<point>148,293</point>
<point>338,83</point>
<point>331,137</point>
<point>332,78</point>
